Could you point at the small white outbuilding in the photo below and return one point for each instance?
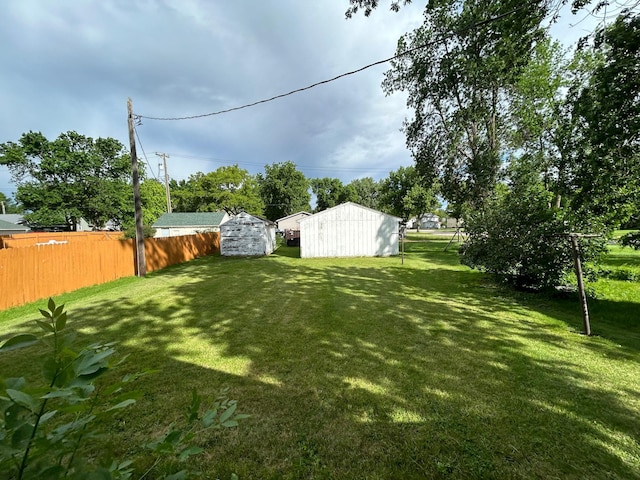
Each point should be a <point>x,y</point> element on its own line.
<point>349,230</point>
<point>247,235</point>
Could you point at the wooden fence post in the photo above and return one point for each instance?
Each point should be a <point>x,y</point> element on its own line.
<point>575,249</point>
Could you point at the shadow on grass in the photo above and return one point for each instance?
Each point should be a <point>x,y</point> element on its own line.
<point>285,251</point>
<point>369,369</point>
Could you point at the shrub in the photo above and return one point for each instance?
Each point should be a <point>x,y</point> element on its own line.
<point>147,231</point>
<point>45,430</point>
<point>522,241</point>
<point>631,240</point>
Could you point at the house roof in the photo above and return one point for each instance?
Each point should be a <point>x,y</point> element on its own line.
<point>190,219</point>
<point>14,218</point>
<point>305,214</point>
<point>302,220</point>
<point>12,227</point>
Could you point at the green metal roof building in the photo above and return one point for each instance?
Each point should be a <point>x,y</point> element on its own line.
<point>188,223</point>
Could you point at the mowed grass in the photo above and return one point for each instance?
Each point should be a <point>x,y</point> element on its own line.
<point>369,368</point>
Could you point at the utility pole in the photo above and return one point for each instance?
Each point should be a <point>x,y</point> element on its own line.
<point>164,157</point>
<point>3,209</point>
<point>141,264</point>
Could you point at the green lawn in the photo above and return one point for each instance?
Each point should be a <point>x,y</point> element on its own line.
<point>368,368</point>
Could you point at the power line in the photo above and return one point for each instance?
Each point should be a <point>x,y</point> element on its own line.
<point>261,164</point>
<point>146,160</point>
<point>352,72</point>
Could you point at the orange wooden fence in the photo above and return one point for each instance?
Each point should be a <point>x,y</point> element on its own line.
<point>35,238</point>
<point>30,273</point>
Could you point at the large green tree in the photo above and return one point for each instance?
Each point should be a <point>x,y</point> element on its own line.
<point>153,199</point>
<point>406,194</point>
<point>605,114</point>
<point>229,188</point>
<point>536,119</point>
<point>522,237</point>
<point>461,63</point>
<point>284,190</point>
<point>330,192</point>
<point>366,191</point>
<point>73,176</point>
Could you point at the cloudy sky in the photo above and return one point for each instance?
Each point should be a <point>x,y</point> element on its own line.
<point>72,65</point>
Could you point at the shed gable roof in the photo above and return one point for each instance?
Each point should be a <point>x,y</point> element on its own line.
<point>342,205</point>
<point>190,219</point>
<point>242,215</point>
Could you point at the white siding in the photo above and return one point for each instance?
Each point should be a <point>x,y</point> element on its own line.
<point>246,235</point>
<point>292,222</point>
<point>178,231</point>
<point>349,230</point>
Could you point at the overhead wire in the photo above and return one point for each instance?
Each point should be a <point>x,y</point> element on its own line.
<point>146,160</point>
<point>261,164</point>
<point>346,74</point>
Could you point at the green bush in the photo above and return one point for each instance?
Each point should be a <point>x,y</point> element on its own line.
<point>520,239</point>
<point>631,240</point>
<point>46,430</point>
<point>147,231</point>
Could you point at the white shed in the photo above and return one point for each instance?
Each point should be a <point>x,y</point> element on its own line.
<point>349,230</point>
<point>247,235</point>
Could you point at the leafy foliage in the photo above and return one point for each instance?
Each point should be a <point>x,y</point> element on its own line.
<point>71,177</point>
<point>46,430</point>
<point>407,194</point>
<point>521,240</point>
<point>457,89</point>
<point>605,108</point>
<point>153,199</point>
<point>369,5</point>
<point>366,191</point>
<point>228,188</point>
<point>9,205</point>
<point>284,190</point>
<point>130,231</point>
<point>631,240</point>
<point>330,192</point>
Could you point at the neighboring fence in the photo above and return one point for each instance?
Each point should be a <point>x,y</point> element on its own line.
<point>163,252</point>
<point>37,238</point>
<point>30,273</point>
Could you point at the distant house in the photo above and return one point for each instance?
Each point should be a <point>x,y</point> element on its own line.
<point>291,222</point>
<point>454,222</point>
<point>247,235</point>
<point>14,218</point>
<point>429,221</point>
<point>81,225</point>
<point>349,230</point>
<point>188,223</point>
<point>290,227</point>
<point>10,228</point>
